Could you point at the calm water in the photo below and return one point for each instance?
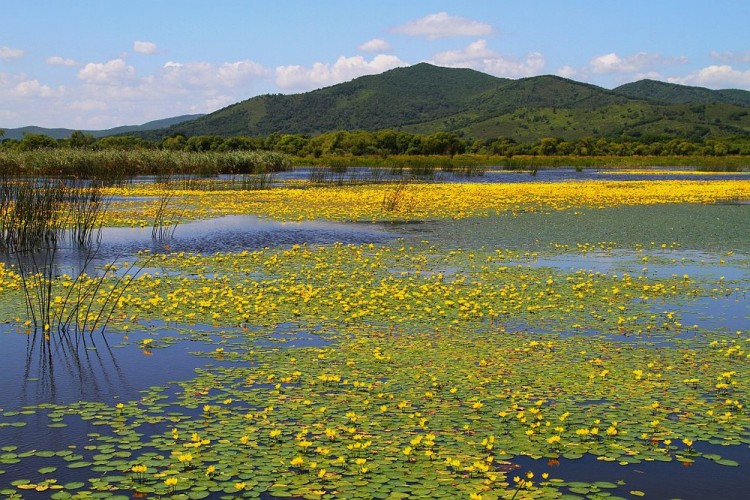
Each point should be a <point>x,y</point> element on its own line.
<point>495,175</point>
<point>101,369</point>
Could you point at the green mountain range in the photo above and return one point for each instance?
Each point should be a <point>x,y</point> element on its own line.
<point>425,99</point>
<point>64,133</point>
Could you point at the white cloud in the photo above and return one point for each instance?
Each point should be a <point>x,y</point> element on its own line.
<point>636,63</point>
<point>142,47</point>
<point>477,56</point>
<point>716,76</point>
<point>240,73</point>
<point>567,72</point>
<point>442,25</point>
<point>207,75</point>
<point>114,72</point>
<point>729,56</point>
<point>88,105</point>
<point>61,61</point>
<point>10,53</point>
<point>32,88</point>
<point>21,87</point>
<point>323,74</point>
<point>375,45</point>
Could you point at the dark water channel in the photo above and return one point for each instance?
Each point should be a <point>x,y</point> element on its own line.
<point>231,233</point>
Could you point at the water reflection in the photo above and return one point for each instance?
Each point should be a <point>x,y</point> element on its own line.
<point>490,175</point>
<point>232,233</point>
<point>88,360</point>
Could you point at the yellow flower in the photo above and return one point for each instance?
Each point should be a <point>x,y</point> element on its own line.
<point>297,461</point>
<point>171,481</point>
<point>240,486</point>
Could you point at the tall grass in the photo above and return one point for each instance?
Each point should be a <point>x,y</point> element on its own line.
<point>165,222</point>
<point>124,164</point>
<point>398,198</point>
<point>527,161</point>
<point>36,217</point>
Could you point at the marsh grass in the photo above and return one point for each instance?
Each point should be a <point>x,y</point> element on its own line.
<point>115,165</point>
<point>36,217</point>
<point>398,198</point>
<point>166,220</point>
<point>234,182</point>
<point>349,176</point>
<point>524,162</point>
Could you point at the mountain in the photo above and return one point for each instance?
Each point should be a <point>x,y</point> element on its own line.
<point>425,99</point>
<point>64,133</point>
<point>396,98</point>
<point>669,93</point>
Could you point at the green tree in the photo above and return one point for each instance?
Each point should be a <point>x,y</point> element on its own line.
<point>443,143</point>
<point>80,140</point>
<point>31,142</point>
<point>174,143</point>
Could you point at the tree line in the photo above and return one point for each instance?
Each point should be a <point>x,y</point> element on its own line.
<point>394,142</point>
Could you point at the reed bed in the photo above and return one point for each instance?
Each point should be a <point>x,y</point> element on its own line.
<point>37,215</point>
<point>464,161</point>
<point>125,164</point>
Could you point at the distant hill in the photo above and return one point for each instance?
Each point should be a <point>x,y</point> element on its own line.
<point>425,99</point>
<point>64,133</point>
<point>669,93</point>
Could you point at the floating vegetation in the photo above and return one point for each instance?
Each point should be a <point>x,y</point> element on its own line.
<point>442,370</point>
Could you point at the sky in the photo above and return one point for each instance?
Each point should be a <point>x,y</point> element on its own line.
<point>97,64</point>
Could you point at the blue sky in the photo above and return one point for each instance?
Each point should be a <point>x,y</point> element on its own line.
<point>91,64</point>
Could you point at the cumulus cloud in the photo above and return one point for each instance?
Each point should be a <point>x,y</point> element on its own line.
<point>20,86</point>
<point>716,76</point>
<point>636,63</point>
<point>322,74</point>
<point>478,56</point>
<point>142,47</point>
<point>114,72</point>
<point>375,45</point>
<point>10,53</point>
<point>61,61</point>
<point>729,56</point>
<point>442,25</point>
<point>32,88</point>
<point>567,72</point>
<point>203,74</point>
